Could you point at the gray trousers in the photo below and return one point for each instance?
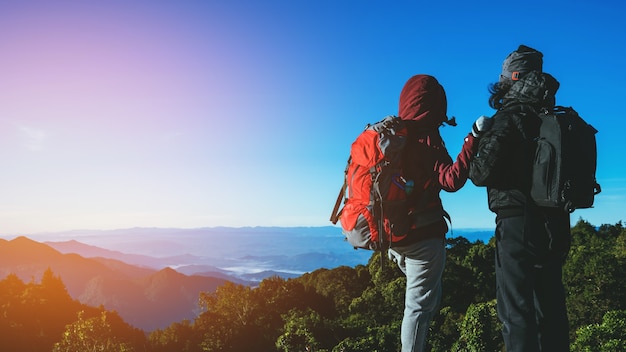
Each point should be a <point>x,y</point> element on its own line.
<point>422,263</point>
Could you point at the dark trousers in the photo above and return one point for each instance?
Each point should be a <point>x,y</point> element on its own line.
<point>530,252</point>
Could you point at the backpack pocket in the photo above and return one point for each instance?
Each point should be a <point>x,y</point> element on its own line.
<point>544,188</point>
<point>396,220</point>
<point>359,226</point>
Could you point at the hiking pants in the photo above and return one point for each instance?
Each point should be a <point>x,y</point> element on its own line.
<point>531,299</point>
<point>423,264</point>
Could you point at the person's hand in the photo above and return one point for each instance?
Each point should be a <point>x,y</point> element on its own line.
<point>481,125</point>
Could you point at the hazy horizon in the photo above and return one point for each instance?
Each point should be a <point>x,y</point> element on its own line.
<point>245,253</point>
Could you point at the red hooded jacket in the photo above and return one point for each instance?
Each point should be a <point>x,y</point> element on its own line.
<point>423,106</point>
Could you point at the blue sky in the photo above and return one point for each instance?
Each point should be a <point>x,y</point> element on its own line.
<point>117,114</point>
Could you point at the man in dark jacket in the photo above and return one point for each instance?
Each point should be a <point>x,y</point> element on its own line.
<point>421,255</point>
<point>531,242</point>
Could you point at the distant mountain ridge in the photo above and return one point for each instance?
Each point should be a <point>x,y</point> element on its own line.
<point>152,277</point>
<point>247,253</point>
<point>89,251</point>
<point>232,251</point>
<point>145,298</point>
<point>244,253</point>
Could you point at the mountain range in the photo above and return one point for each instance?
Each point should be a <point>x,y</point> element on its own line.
<point>153,277</point>
<point>247,254</point>
<point>145,298</point>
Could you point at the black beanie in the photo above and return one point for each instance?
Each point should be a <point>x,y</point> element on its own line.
<point>520,62</point>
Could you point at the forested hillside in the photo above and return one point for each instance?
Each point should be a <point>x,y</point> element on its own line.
<point>341,309</point>
<point>147,298</point>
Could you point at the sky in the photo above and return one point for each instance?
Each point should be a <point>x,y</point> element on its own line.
<point>186,114</point>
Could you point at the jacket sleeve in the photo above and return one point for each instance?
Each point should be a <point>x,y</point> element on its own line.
<point>484,167</point>
<point>453,175</point>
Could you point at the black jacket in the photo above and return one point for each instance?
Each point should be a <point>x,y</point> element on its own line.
<point>503,162</point>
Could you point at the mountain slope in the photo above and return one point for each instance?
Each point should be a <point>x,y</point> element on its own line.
<point>89,251</point>
<point>145,298</point>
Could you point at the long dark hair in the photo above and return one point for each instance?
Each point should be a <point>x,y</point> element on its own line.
<point>498,90</point>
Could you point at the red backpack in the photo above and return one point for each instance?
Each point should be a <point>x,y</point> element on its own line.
<point>375,211</point>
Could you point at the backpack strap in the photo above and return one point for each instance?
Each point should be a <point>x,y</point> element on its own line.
<point>334,216</point>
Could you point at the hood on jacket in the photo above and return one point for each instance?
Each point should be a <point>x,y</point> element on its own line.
<point>423,99</point>
<point>535,88</point>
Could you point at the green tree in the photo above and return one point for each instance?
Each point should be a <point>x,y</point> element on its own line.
<point>480,329</point>
<point>620,242</point>
<point>373,339</point>
<point>299,331</point>
<point>178,337</point>
<point>592,276</point>
<point>444,330</point>
<point>273,298</point>
<point>458,283</point>
<point>226,317</point>
<point>340,285</point>
<point>479,260</point>
<point>93,334</point>
<point>609,336</point>
<point>33,316</point>
<point>374,319</point>
<point>14,314</point>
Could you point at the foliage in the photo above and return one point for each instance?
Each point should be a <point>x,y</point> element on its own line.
<point>33,317</point>
<point>593,273</point>
<point>444,330</point>
<point>93,334</point>
<point>374,338</point>
<point>241,318</point>
<point>177,337</point>
<point>469,275</point>
<point>299,331</point>
<point>609,336</point>
<point>480,329</point>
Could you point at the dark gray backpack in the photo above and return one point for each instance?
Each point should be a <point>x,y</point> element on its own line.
<point>564,169</point>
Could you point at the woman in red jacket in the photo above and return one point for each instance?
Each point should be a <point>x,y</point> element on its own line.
<point>421,255</point>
